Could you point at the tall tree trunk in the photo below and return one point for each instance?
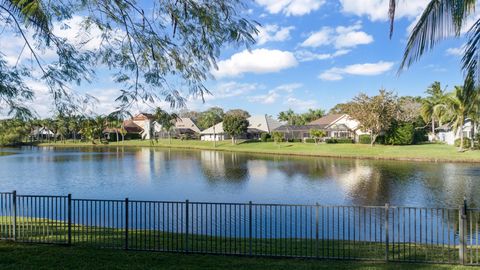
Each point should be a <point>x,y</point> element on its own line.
<point>461,135</point>
<point>373,138</point>
<point>233,140</point>
<point>433,127</point>
<point>116,133</point>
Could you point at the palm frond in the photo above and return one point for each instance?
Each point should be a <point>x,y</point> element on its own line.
<point>441,19</point>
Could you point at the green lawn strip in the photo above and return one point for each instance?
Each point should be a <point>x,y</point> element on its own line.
<point>34,256</point>
<point>422,152</point>
<point>50,231</point>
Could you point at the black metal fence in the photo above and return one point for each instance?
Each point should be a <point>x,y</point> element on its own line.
<point>387,233</point>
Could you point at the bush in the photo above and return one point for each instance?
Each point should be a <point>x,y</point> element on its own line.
<point>364,139</point>
<point>264,137</point>
<point>400,134</point>
<point>309,140</point>
<point>294,140</point>
<point>339,140</point>
<point>467,143</point>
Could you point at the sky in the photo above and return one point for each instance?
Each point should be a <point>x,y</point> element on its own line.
<point>309,54</point>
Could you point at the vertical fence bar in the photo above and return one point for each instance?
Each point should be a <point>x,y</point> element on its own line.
<point>462,222</point>
<point>69,213</point>
<point>250,228</point>
<point>386,232</point>
<point>14,213</point>
<point>316,229</point>
<point>126,223</point>
<point>186,225</point>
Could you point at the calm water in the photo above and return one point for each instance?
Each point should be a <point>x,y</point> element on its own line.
<point>165,174</point>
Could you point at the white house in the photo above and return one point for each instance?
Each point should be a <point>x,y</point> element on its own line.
<point>335,126</point>
<point>446,134</point>
<point>258,124</point>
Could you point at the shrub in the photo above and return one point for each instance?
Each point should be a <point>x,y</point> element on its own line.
<point>339,140</point>
<point>264,137</point>
<point>294,140</point>
<point>277,136</point>
<point>400,134</point>
<point>466,143</point>
<point>364,139</point>
<point>309,140</point>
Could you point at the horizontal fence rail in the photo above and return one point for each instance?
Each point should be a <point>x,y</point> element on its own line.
<point>383,233</point>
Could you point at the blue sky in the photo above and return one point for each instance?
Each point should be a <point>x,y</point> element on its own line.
<point>309,54</point>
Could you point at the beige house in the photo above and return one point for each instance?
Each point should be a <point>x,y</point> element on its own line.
<point>335,126</point>
<point>258,124</point>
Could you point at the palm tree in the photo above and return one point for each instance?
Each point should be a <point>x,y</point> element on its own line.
<point>431,110</point>
<point>166,120</point>
<point>460,105</point>
<point>440,20</point>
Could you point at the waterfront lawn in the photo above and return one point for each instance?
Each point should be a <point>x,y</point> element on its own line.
<point>423,152</point>
<point>34,256</point>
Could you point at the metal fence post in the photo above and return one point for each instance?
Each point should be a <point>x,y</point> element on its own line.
<point>317,206</point>
<point>387,206</point>
<point>186,225</point>
<point>126,223</point>
<point>250,228</point>
<point>14,213</point>
<point>69,204</point>
<point>462,222</point>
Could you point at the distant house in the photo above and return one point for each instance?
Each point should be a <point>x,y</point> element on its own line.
<point>446,134</point>
<point>184,128</point>
<point>258,124</point>
<point>334,125</point>
<point>42,133</point>
<point>145,122</point>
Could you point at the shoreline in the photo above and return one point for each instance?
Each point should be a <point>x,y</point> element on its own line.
<point>280,151</point>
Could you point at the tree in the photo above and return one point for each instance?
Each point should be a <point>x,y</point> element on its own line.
<point>460,104</point>
<point>277,137</point>
<point>235,124</point>
<point>291,118</point>
<point>312,115</point>
<point>440,20</point>
<point>431,108</point>
<point>142,50</point>
<point>202,123</point>
<point>375,113</point>
<point>166,120</point>
<point>317,134</point>
<point>239,112</point>
<point>211,118</point>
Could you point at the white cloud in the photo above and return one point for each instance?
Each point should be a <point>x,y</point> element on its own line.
<point>366,69</point>
<point>459,51</point>
<point>291,7</point>
<point>272,95</point>
<point>231,89</point>
<point>340,37</point>
<point>377,10</point>
<point>305,56</point>
<point>300,104</point>
<point>272,32</point>
<point>257,61</point>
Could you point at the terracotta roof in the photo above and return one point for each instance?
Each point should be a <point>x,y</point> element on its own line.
<point>143,116</point>
<point>131,127</point>
<point>326,120</point>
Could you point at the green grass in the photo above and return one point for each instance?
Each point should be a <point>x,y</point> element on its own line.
<point>50,231</point>
<point>423,152</point>
<point>32,256</point>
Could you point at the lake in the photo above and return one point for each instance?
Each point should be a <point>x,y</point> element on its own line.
<point>201,175</point>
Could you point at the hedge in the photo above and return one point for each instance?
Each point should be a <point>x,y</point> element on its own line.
<point>339,140</point>
<point>467,143</point>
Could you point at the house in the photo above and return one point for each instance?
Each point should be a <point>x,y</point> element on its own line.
<point>183,128</point>
<point>41,133</point>
<point>258,124</point>
<point>145,122</point>
<point>334,125</point>
<point>446,134</point>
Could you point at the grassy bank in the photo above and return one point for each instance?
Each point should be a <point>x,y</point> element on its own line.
<point>423,152</point>
<point>30,256</point>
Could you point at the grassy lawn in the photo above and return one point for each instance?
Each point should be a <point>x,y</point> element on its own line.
<point>424,152</point>
<point>31,256</point>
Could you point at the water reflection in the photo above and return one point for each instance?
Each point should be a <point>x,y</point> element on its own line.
<point>166,174</point>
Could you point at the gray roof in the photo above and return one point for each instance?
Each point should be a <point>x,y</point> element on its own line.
<point>263,123</point>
